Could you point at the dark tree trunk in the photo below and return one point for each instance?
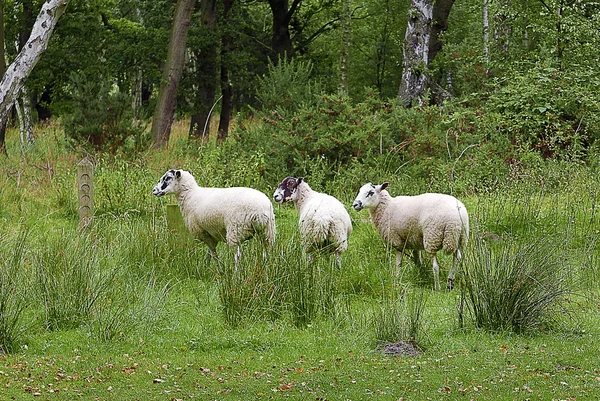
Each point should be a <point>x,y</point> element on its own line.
<point>281,40</point>
<point>226,88</point>
<point>441,12</point>
<point>171,75</point>
<point>426,20</point>
<point>206,72</point>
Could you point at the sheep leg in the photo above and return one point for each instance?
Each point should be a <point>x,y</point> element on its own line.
<point>436,274</point>
<point>457,259</point>
<point>238,255</point>
<point>417,257</point>
<point>338,260</point>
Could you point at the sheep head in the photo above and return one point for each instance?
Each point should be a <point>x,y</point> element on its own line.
<point>287,190</point>
<point>368,196</point>
<point>168,183</point>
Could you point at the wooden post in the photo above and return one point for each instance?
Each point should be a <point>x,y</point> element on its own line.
<point>85,187</point>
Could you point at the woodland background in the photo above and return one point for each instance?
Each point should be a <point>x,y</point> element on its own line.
<point>521,76</point>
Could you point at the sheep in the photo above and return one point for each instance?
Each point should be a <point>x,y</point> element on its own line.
<point>214,215</point>
<point>324,222</point>
<point>429,222</point>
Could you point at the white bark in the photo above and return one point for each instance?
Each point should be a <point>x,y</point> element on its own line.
<point>486,34</point>
<point>416,52</point>
<point>16,74</point>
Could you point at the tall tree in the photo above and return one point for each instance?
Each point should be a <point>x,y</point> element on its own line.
<point>281,40</point>
<point>23,104</point>
<point>2,70</point>
<point>426,20</point>
<point>226,88</point>
<point>345,45</point>
<point>205,60</point>
<point>172,70</point>
<point>16,74</point>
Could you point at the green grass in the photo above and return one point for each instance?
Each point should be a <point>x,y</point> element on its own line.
<point>166,323</point>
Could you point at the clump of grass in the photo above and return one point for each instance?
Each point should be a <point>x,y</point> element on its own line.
<point>250,289</point>
<point>515,287</point>
<point>13,290</point>
<point>138,308</point>
<point>70,278</point>
<point>401,317</point>
<point>282,282</point>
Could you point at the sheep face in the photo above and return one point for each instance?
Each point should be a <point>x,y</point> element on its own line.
<point>168,183</point>
<point>368,196</point>
<point>287,190</point>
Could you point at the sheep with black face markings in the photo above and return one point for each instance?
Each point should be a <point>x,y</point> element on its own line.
<point>214,215</point>
<point>429,222</point>
<point>324,222</point>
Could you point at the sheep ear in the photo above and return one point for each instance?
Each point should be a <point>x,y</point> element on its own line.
<point>178,174</point>
<point>299,181</point>
<point>384,186</point>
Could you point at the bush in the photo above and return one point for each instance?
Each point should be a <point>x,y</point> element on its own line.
<point>99,116</point>
<point>288,87</point>
<point>548,110</point>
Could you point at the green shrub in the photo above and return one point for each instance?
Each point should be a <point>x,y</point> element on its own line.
<point>99,116</point>
<point>550,111</point>
<point>287,87</point>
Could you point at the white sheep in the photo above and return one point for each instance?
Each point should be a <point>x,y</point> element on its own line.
<point>429,222</point>
<point>214,215</point>
<point>324,222</point>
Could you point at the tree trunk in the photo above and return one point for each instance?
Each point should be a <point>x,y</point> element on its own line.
<point>21,67</point>
<point>226,88</point>
<point>486,35</point>
<point>345,45</point>
<point>171,75</point>
<point>426,20</point>
<point>281,41</point>
<point>24,104</point>
<point>2,70</point>
<point>206,74</point>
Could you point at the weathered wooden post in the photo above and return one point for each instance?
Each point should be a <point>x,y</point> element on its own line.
<point>85,186</point>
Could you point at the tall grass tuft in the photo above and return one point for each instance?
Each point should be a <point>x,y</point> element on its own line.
<point>135,307</point>
<point>400,317</point>
<point>281,284</point>
<point>71,278</point>
<point>13,290</point>
<point>251,289</point>
<point>516,287</point>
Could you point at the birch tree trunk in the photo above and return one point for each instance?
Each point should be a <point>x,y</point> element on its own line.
<point>426,20</point>
<point>415,57</point>
<point>486,35</point>
<point>2,70</point>
<point>16,74</point>
<point>171,75</point>
<point>345,46</point>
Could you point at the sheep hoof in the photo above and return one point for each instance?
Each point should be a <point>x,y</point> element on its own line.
<point>450,285</point>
